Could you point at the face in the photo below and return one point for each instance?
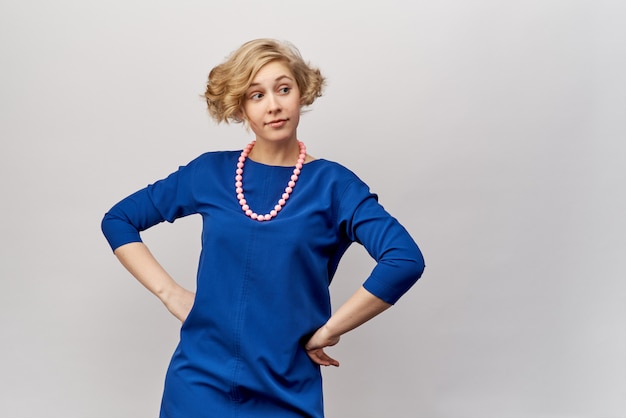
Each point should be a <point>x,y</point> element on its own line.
<point>272,103</point>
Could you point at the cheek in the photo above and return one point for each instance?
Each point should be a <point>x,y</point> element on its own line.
<point>251,115</point>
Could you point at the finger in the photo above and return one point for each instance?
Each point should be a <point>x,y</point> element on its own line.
<point>331,361</point>
<point>320,357</point>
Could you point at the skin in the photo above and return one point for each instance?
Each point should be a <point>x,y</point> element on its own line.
<point>272,110</point>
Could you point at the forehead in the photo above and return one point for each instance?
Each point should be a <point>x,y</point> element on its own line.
<point>272,72</point>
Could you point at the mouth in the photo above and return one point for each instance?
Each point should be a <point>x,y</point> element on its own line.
<point>276,123</point>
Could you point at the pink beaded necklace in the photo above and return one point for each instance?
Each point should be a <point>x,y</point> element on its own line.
<point>282,201</point>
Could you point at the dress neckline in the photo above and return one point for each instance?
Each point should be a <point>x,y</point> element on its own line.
<point>249,160</point>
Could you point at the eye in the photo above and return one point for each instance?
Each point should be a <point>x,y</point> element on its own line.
<point>256,96</point>
<point>284,90</point>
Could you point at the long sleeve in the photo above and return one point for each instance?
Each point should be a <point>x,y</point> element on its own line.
<point>399,260</point>
<point>164,200</point>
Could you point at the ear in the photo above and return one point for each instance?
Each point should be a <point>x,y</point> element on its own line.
<point>241,115</point>
<point>303,101</point>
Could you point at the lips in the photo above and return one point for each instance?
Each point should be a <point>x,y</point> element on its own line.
<point>277,123</point>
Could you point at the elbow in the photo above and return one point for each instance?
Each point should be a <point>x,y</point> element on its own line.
<point>417,268</point>
<point>104,223</point>
<point>108,224</point>
<point>419,264</point>
<point>412,262</point>
<point>118,231</point>
<point>413,270</point>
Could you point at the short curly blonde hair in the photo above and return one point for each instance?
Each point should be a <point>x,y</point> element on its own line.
<point>228,82</point>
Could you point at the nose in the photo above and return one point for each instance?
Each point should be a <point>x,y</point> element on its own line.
<point>273,103</point>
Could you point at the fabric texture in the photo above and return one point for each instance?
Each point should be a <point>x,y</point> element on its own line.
<point>262,287</point>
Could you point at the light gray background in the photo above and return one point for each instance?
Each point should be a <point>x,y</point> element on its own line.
<point>494,130</point>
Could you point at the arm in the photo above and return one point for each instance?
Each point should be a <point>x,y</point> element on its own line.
<point>360,308</point>
<point>139,261</point>
<point>399,265</point>
<point>164,200</point>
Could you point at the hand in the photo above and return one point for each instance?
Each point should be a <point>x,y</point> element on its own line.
<point>316,344</point>
<point>180,302</point>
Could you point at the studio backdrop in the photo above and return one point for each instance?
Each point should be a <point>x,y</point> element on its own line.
<point>494,131</point>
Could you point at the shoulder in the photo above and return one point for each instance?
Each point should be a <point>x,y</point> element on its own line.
<point>211,162</point>
<point>344,185</point>
<point>215,158</point>
<point>334,170</point>
<point>207,166</point>
<point>340,175</point>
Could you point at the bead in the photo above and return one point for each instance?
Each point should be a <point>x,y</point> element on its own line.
<point>284,197</point>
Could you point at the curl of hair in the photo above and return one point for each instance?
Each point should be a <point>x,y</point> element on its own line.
<point>229,81</point>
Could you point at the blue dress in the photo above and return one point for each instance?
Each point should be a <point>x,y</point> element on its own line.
<point>262,287</point>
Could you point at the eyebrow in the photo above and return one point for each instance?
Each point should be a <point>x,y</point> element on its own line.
<point>277,79</point>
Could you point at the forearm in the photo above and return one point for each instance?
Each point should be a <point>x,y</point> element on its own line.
<point>358,309</point>
<point>140,262</point>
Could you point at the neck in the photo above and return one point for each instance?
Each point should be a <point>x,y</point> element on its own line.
<point>275,153</point>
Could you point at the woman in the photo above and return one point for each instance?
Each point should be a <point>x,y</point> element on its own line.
<point>276,222</point>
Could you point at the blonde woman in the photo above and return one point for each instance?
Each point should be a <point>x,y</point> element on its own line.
<point>276,222</point>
